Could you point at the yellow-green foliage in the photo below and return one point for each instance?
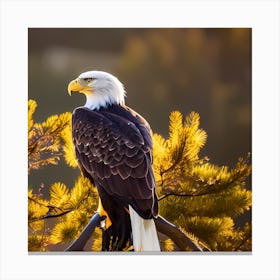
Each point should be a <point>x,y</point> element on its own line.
<point>194,194</point>
<point>200,198</point>
<point>45,139</point>
<point>37,242</point>
<point>178,153</point>
<point>68,147</point>
<point>37,208</point>
<point>70,207</point>
<point>167,245</point>
<point>97,240</point>
<point>80,203</point>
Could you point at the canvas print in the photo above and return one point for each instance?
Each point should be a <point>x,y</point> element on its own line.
<point>139,140</point>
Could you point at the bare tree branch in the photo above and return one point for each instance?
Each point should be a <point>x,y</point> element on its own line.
<point>162,225</point>
<point>79,244</point>
<point>178,194</point>
<point>177,236</point>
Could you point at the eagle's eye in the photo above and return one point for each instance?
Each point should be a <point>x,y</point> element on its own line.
<point>88,80</point>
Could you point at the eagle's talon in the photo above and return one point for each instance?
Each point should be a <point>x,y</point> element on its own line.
<point>103,216</point>
<point>103,224</point>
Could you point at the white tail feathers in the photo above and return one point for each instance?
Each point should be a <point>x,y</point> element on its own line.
<point>144,233</point>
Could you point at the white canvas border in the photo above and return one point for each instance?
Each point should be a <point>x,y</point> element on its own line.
<point>17,16</point>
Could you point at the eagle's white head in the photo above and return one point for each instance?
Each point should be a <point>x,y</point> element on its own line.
<point>101,89</point>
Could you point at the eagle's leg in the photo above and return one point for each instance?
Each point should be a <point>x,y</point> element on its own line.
<point>106,223</point>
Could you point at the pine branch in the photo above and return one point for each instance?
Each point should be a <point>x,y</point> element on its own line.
<point>237,176</point>
<point>34,200</point>
<point>243,242</point>
<point>174,164</point>
<point>44,140</point>
<point>48,216</point>
<point>179,195</point>
<point>208,190</point>
<point>51,209</point>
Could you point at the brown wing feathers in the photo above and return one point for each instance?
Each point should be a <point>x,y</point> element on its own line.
<point>113,145</point>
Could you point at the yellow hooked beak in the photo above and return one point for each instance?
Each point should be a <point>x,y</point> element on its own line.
<point>74,86</point>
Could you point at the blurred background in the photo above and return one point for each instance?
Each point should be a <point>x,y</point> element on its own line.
<point>207,70</point>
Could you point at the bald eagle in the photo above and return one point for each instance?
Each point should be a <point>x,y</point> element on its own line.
<point>113,147</point>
